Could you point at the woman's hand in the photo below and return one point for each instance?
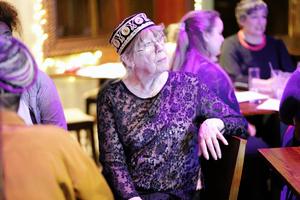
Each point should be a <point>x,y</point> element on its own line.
<point>209,133</point>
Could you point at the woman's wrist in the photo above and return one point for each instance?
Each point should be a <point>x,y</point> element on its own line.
<point>219,124</point>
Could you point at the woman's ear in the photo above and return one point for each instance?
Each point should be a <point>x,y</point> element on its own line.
<point>242,21</point>
<point>206,37</point>
<point>128,62</point>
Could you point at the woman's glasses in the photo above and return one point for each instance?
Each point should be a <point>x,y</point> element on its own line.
<point>157,42</point>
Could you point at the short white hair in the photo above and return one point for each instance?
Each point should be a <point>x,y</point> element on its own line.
<point>246,7</point>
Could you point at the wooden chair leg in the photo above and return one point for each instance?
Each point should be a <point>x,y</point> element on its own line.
<point>92,138</point>
<point>78,136</point>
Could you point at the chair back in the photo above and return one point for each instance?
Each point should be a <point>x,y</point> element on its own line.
<point>222,177</point>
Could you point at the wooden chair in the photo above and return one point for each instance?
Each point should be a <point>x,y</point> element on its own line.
<point>222,177</point>
<point>90,99</point>
<point>77,121</point>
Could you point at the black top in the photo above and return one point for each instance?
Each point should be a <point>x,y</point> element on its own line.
<point>236,59</point>
<point>151,144</point>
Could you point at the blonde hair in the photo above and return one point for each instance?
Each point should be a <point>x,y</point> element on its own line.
<point>247,7</point>
<point>190,34</point>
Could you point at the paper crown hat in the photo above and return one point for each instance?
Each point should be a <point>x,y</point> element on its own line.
<point>18,69</point>
<point>128,29</point>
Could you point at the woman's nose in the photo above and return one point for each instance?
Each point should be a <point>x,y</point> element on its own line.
<point>159,46</point>
<point>262,20</point>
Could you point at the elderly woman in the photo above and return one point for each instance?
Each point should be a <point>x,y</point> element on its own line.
<point>40,104</point>
<point>152,122</point>
<point>250,47</point>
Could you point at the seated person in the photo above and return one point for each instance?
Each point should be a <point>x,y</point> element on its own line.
<point>290,110</point>
<point>39,161</point>
<point>250,47</point>
<point>198,45</point>
<point>290,114</point>
<point>153,123</point>
<point>39,104</point>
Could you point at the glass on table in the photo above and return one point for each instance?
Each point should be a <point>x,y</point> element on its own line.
<point>280,79</point>
<point>253,76</point>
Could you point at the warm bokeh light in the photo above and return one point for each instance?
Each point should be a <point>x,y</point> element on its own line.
<point>107,70</point>
<point>61,64</point>
<point>198,5</point>
<point>38,30</point>
<point>71,62</point>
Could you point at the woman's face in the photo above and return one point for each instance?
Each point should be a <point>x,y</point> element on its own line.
<point>255,23</point>
<point>214,39</point>
<point>150,55</point>
<point>4,29</point>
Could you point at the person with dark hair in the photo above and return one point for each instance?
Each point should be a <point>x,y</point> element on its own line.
<point>38,161</point>
<point>290,110</point>
<point>250,47</point>
<point>9,20</point>
<point>153,124</point>
<point>41,103</point>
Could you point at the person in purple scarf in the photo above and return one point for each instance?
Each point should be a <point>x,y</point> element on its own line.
<point>40,104</point>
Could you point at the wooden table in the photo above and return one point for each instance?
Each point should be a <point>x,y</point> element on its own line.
<point>286,163</point>
<point>250,109</point>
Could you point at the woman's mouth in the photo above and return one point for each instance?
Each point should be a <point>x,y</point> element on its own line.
<point>162,59</point>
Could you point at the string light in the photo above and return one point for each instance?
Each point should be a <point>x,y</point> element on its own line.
<point>60,64</point>
<point>198,4</point>
<point>72,62</point>
<point>37,29</point>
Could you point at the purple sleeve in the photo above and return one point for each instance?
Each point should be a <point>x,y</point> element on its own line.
<point>112,155</point>
<point>211,106</point>
<point>48,102</point>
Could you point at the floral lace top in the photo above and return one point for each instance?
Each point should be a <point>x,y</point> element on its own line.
<point>151,144</point>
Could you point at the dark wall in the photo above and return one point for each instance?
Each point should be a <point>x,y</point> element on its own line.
<point>277,18</point>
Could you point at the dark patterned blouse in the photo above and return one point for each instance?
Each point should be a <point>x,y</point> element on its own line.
<point>150,145</point>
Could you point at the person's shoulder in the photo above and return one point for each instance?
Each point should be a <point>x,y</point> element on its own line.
<point>212,70</point>
<point>231,38</point>
<point>43,81</point>
<point>109,87</point>
<point>46,133</point>
<point>230,42</point>
<point>273,40</point>
<point>182,75</point>
<point>183,79</point>
<point>50,129</point>
<point>43,77</point>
